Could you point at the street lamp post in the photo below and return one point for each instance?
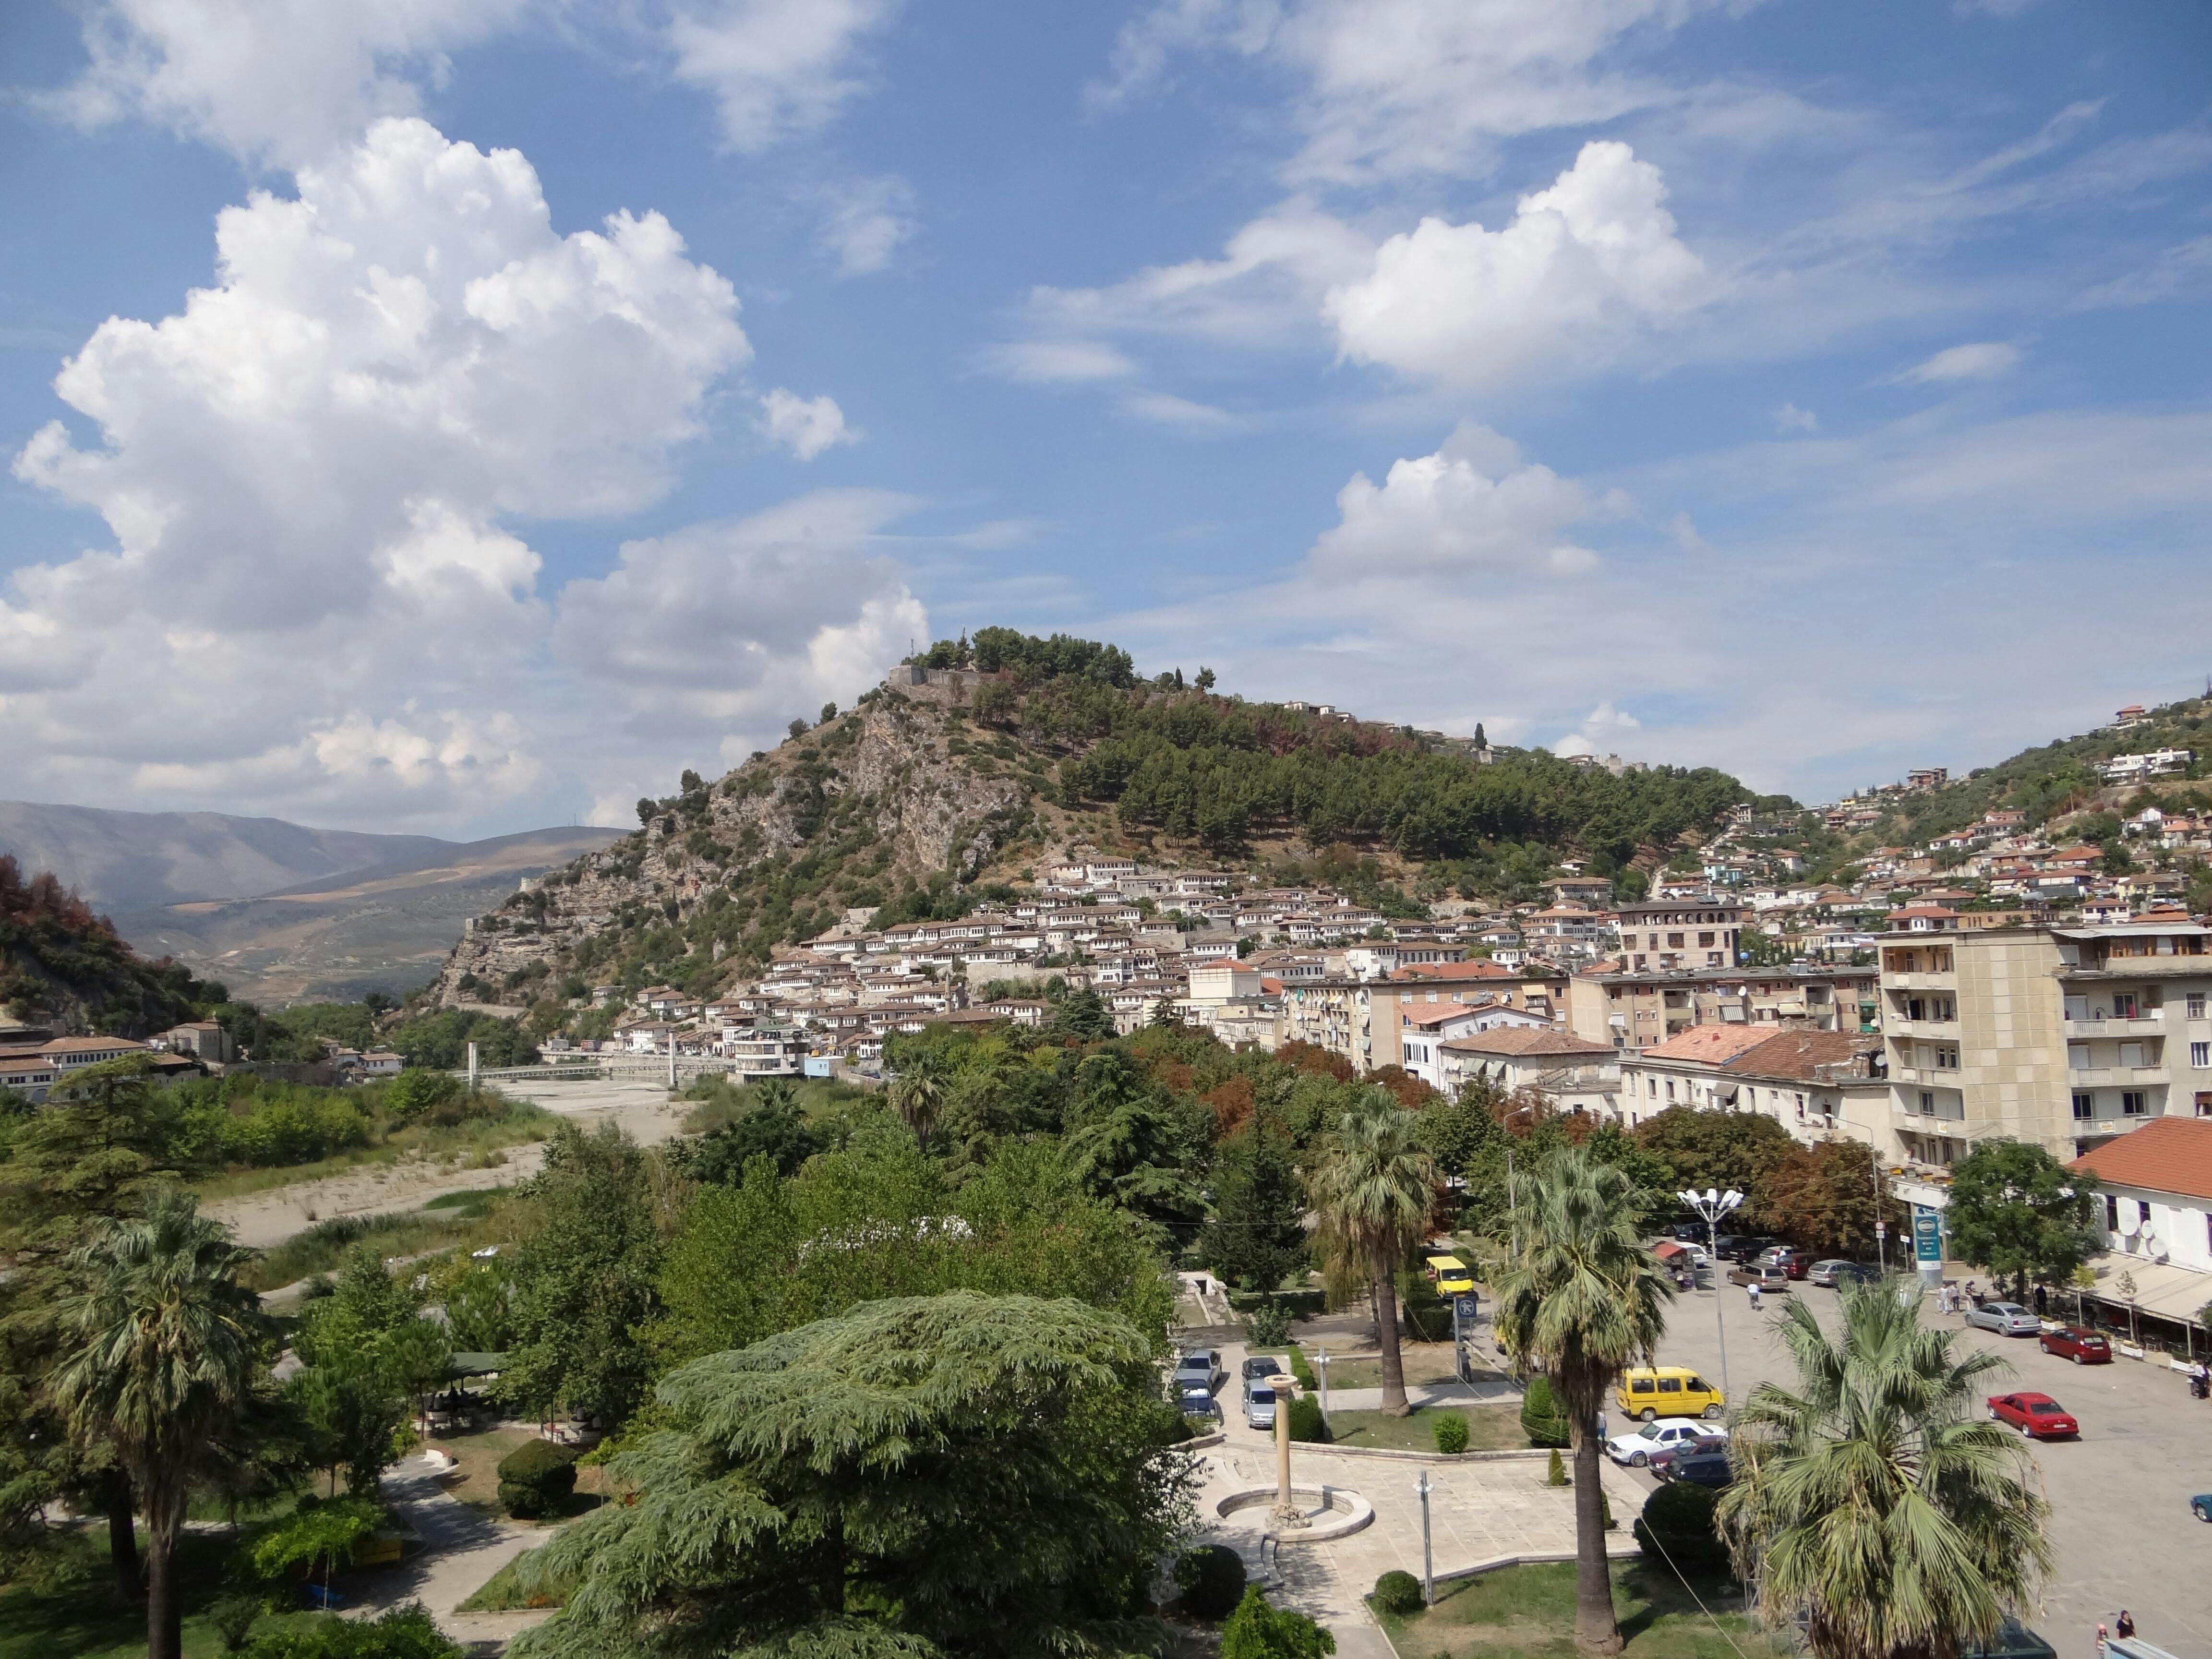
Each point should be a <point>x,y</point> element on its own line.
<point>1712,1203</point>
<point>1428,1558</point>
<point>1320,1365</point>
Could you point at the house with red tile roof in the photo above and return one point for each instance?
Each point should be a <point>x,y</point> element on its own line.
<point>2153,1216</point>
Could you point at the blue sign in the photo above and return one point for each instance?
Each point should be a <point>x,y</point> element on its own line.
<point>1927,1234</point>
<point>1463,1306</point>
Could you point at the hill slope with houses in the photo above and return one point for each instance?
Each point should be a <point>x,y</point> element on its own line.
<point>959,785</point>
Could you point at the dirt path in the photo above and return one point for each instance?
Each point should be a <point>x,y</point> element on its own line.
<point>261,1221</point>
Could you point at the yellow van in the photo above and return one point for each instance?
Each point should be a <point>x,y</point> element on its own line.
<point>1450,1275</point>
<point>1666,1391</point>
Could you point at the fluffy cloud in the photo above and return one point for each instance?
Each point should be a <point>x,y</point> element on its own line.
<point>1048,361</point>
<point>316,601</point>
<point>1985,360</point>
<point>287,80</point>
<point>773,67</point>
<point>805,426</point>
<point>1472,509</point>
<point>1585,272</point>
<point>867,220</point>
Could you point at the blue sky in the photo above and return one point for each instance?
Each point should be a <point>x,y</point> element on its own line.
<point>464,414</point>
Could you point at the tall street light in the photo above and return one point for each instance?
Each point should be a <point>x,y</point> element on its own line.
<point>1712,1203</point>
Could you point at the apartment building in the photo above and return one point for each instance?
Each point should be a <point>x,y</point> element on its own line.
<point>1698,931</point>
<point>1817,1085</point>
<point>1630,1010</point>
<point>1577,1075</point>
<point>2064,1035</point>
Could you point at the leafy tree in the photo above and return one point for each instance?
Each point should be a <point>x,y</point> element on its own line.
<point>965,1474</point>
<point>405,1632</point>
<point>418,1090</point>
<point>1828,1197</point>
<point>1374,1189</point>
<point>829,713</point>
<point>1256,1630</point>
<point>1581,1300</point>
<point>1714,1149</point>
<point>1082,1015</point>
<point>314,1536</point>
<point>1870,1501</point>
<point>161,1344</point>
<point>796,730</point>
<point>774,1129</point>
<point>1205,682</point>
<point>916,1095</point>
<point>367,1349</point>
<point>1256,1237</point>
<point>2018,1213</point>
<point>584,1279</point>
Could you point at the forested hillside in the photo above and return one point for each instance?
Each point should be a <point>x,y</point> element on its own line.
<point>62,965</point>
<point>969,767</point>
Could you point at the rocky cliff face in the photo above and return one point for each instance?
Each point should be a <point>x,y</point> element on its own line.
<point>891,795</point>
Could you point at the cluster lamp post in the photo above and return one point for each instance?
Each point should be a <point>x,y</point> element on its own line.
<point>1321,1366</point>
<point>1712,1203</point>
<point>1428,1557</point>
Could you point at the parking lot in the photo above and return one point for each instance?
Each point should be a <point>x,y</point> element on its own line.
<point>2119,1495</point>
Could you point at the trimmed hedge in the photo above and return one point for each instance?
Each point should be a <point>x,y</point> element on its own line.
<point>1545,1424</point>
<point>1211,1580</point>
<point>1306,1423</point>
<point>1451,1433</point>
<point>1677,1530</point>
<point>536,1477</point>
<point>1398,1592</point>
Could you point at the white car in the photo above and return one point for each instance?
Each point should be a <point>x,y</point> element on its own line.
<point>1663,1435</point>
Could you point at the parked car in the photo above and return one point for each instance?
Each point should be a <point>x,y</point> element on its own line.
<point>1836,1272</point>
<point>1198,1369</point>
<point>1636,1446</point>
<point>1261,1366</point>
<point>1195,1402</point>
<point>1259,1406</point>
<point>1698,1467</point>
<point>1747,1247</point>
<point>2005,1318</point>
<point>2082,1347</point>
<point>1794,1262</point>
<point>1767,1279</point>
<point>2038,1416</point>
<point>2201,1506</point>
<point>1666,1391</point>
<point>1688,1233</point>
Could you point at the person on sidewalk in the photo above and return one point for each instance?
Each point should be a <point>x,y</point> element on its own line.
<point>1755,1298</point>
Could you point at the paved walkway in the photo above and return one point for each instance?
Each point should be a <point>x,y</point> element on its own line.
<point>462,1548</point>
<point>1483,1391</point>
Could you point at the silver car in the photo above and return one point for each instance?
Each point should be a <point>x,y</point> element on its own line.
<point>2005,1318</point>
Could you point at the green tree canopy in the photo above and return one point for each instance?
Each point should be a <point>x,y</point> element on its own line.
<point>2017,1212</point>
<point>961,1474</point>
<point>1256,1236</point>
<point>1374,1189</point>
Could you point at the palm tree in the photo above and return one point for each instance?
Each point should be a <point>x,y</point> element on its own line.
<point>916,1095</point>
<point>161,1344</point>
<point>1374,1190</point>
<point>1582,1300</point>
<point>1870,1500</point>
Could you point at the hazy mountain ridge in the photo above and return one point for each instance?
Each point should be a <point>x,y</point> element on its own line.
<point>117,861</point>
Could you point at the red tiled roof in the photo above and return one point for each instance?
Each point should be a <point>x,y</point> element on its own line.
<point>2167,1155</point>
<point>1712,1045</point>
<point>1795,1054</point>
<point>1477,969</point>
<point>1530,1040</point>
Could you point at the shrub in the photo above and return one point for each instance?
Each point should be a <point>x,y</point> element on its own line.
<point>1546,1426</point>
<point>1451,1433</point>
<point>1211,1579</point>
<point>418,1089</point>
<point>1302,1368</point>
<point>233,1617</point>
<point>1256,1630</point>
<point>536,1477</point>
<point>1307,1423</point>
<point>1676,1529</point>
<point>1399,1593</point>
<point>318,1535</point>
<point>405,1633</point>
<point>1267,1326</point>
<point>1555,1472</point>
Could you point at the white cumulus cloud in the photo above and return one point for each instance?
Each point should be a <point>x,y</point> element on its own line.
<point>773,67</point>
<point>805,426</point>
<point>1584,272</point>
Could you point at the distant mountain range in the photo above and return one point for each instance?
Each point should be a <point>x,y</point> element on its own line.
<point>279,912</point>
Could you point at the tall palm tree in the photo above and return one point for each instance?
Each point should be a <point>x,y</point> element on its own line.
<point>1871,1500</point>
<point>160,1348</point>
<point>1582,1300</point>
<point>917,1095</point>
<point>1374,1190</point>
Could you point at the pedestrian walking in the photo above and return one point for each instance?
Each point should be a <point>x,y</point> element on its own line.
<point>2125,1626</point>
<point>1755,1298</point>
<point>2042,1301</point>
<point>2100,1642</point>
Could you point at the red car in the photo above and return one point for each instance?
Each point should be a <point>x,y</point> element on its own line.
<point>2038,1416</point>
<point>2082,1347</point>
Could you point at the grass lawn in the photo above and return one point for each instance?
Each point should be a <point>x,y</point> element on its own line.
<point>76,1612</point>
<point>451,1220</point>
<point>1424,1362</point>
<point>502,1591</point>
<point>1489,1428</point>
<point>1528,1613</point>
